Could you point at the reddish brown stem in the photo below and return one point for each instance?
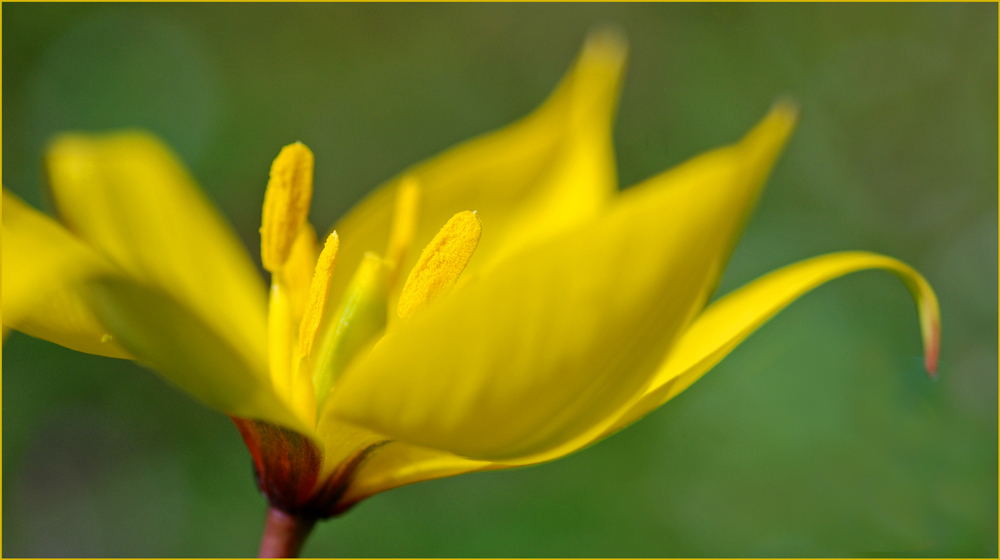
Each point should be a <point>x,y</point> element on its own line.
<point>283,534</point>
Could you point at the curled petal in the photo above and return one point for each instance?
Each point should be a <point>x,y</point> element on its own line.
<point>728,321</point>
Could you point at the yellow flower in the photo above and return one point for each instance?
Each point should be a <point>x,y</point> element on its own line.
<point>546,311</point>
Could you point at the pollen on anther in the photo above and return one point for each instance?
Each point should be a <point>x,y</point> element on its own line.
<point>441,263</point>
<point>286,204</point>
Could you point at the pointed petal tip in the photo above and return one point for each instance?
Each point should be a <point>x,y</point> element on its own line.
<point>930,321</point>
<point>783,115</point>
<point>769,136</point>
<point>787,106</point>
<point>607,41</point>
<point>932,348</point>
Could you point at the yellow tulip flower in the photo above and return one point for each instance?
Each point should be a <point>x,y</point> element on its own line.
<point>502,304</point>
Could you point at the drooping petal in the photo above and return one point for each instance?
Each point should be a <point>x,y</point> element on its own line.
<point>130,198</point>
<point>728,321</point>
<point>546,171</point>
<point>44,265</point>
<point>163,333</point>
<point>542,352</point>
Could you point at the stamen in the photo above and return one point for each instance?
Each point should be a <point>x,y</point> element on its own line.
<point>286,204</point>
<point>441,263</point>
<point>404,222</point>
<point>318,291</point>
<point>298,269</point>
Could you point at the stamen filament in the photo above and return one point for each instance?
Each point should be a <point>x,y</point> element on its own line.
<point>280,335</point>
<point>298,269</point>
<point>404,223</point>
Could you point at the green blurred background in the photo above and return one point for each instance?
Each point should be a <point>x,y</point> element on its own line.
<point>819,436</point>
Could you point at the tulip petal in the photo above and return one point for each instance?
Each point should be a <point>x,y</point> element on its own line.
<point>130,198</point>
<point>538,175</point>
<point>386,464</point>
<point>728,321</point>
<point>545,350</point>
<point>397,464</point>
<point>44,265</point>
<point>161,332</point>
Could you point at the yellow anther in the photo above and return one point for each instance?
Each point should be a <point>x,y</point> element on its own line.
<point>298,269</point>
<point>318,291</point>
<point>441,263</point>
<point>286,204</point>
<point>404,221</point>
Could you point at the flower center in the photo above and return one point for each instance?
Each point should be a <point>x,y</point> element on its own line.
<point>311,340</point>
